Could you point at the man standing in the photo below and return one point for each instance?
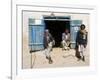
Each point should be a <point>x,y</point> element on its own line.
<point>66,40</point>
<point>48,44</point>
<point>81,41</point>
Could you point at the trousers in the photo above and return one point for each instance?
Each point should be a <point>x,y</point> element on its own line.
<point>48,50</point>
<point>81,49</point>
<point>65,44</point>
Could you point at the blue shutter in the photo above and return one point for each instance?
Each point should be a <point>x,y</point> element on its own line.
<point>36,34</point>
<point>75,24</point>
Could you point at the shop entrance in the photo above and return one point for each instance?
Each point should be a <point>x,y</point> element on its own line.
<point>56,28</point>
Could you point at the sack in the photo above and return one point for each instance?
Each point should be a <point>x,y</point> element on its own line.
<point>77,53</point>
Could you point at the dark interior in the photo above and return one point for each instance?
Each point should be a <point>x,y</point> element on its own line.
<point>56,28</point>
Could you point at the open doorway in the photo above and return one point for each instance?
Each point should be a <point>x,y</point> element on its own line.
<point>56,28</point>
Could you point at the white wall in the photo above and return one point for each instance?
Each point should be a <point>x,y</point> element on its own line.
<point>39,15</point>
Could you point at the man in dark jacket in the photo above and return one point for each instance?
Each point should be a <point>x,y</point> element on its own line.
<point>81,41</point>
<point>48,44</point>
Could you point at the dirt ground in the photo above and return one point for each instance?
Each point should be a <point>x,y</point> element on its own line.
<point>60,59</point>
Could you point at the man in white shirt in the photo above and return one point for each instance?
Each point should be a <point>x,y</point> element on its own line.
<point>66,40</point>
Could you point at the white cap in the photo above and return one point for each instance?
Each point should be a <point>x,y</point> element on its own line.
<point>46,30</point>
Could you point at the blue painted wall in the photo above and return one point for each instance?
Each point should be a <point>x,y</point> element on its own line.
<point>36,34</point>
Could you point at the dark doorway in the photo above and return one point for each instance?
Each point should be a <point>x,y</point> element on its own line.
<point>56,28</point>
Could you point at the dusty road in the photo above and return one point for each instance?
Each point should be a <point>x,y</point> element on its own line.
<point>60,59</point>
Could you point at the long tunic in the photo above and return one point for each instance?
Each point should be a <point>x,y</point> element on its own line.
<point>47,39</point>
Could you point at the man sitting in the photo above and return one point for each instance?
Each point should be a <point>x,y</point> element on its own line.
<point>66,40</point>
